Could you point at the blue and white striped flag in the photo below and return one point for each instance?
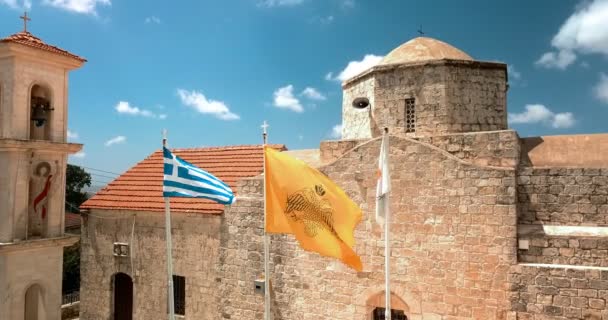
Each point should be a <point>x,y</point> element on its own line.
<point>183,179</point>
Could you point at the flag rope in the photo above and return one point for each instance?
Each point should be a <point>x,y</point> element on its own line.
<point>266,237</point>
<point>387,246</point>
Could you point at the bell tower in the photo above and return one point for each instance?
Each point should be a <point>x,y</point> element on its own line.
<point>33,158</point>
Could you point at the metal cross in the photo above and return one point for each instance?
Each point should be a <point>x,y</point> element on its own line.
<point>420,31</point>
<point>25,19</point>
<point>265,126</point>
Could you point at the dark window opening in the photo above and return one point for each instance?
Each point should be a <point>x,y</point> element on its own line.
<point>395,314</point>
<point>179,294</point>
<point>410,115</point>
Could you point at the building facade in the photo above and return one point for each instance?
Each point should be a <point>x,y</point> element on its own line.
<point>486,224</point>
<point>33,156</point>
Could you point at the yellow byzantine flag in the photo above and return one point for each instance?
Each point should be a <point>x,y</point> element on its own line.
<point>302,201</point>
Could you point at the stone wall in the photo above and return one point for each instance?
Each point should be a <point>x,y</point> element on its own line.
<point>582,251</point>
<point>195,256</point>
<point>563,252</point>
<point>563,196</point>
<point>34,264</point>
<point>559,293</point>
<point>453,242</point>
<point>358,123</point>
<point>497,148</point>
<point>476,96</point>
<point>334,149</point>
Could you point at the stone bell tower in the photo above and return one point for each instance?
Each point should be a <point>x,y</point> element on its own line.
<point>33,157</point>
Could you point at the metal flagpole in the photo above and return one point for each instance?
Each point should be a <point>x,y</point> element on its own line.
<point>387,248</point>
<point>266,237</point>
<point>169,245</point>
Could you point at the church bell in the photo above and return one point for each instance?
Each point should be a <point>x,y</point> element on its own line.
<point>40,111</point>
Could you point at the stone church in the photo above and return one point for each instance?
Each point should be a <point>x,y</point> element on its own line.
<point>33,157</point>
<point>486,224</point>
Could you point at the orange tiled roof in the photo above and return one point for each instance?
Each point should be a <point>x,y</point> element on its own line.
<point>27,39</point>
<point>72,220</point>
<point>140,188</point>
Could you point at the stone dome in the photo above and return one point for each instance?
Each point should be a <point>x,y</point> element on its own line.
<point>424,49</point>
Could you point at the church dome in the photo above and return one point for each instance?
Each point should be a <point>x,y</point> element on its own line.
<point>424,49</point>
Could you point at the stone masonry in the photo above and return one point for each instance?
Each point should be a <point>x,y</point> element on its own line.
<point>453,242</point>
<point>195,256</point>
<point>485,224</point>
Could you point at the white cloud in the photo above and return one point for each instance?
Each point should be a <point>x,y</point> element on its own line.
<point>11,3</point>
<point>200,103</point>
<point>72,135</point>
<point>322,20</point>
<point>152,19</point>
<point>585,31</point>
<point>126,108</point>
<point>313,94</point>
<point>560,60</point>
<point>348,3</point>
<point>538,113</point>
<point>279,3</point>
<point>79,155</point>
<point>336,132</point>
<point>78,6</point>
<point>284,99</point>
<point>513,73</point>
<point>356,67</point>
<point>116,140</point>
<point>563,120</point>
<point>329,76</point>
<point>601,89</point>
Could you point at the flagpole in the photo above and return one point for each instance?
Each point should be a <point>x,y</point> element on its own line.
<point>169,245</point>
<point>266,237</point>
<point>387,248</point>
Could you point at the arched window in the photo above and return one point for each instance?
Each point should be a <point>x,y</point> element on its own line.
<point>41,113</point>
<point>34,303</point>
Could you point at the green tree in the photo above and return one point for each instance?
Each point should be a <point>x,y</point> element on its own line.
<point>75,179</point>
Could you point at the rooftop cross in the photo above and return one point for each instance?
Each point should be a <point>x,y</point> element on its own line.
<point>265,126</point>
<point>25,19</point>
<point>420,31</point>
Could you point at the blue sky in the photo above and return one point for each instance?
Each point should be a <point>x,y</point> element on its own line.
<point>211,71</point>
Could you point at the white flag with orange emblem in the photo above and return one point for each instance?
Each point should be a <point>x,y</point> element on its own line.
<point>384,182</point>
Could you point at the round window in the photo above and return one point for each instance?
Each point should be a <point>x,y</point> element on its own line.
<point>360,103</point>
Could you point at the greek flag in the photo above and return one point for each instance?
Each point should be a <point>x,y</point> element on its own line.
<point>182,179</point>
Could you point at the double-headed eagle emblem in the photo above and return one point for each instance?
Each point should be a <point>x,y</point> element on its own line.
<point>309,206</point>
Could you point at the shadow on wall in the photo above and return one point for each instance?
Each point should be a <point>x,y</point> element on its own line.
<point>527,145</point>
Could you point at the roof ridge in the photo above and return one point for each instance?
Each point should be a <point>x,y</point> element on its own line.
<point>28,39</point>
<point>232,147</point>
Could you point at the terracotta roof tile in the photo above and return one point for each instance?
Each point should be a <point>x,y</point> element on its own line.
<point>27,39</point>
<point>72,220</point>
<point>140,188</point>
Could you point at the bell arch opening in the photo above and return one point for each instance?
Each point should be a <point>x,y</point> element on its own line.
<point>34,303</point>
<point>41,113</point>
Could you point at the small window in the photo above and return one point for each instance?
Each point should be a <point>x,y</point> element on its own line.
<point>179,294</point>
<point>395,314</point>
<point>410,115</point>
